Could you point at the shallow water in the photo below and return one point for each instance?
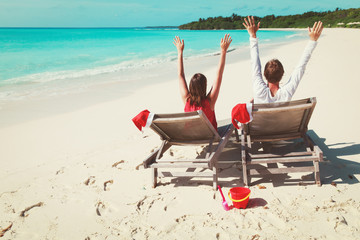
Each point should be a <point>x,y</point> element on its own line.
<point>56,60</point>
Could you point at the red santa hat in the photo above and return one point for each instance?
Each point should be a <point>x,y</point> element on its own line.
<point>241,113</point>
<point>143,119</point>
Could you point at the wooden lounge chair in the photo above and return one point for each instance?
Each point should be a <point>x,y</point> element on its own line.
<point>191,128</point>
<point>279,122</point>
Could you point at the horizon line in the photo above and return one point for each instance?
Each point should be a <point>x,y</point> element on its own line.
<point>88,27</point>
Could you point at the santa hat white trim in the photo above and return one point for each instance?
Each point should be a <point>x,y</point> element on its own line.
<point>149,119</point>
<point>249,109</point>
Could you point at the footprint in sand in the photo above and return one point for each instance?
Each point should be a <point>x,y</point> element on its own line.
<point>100,206</point>
<point>106,183</point>
<point>91,180</point>
<point>144,205</point>
<point>181,219</point>
<point>24,213</point>
<point>3,231</point>
<point>61,171</point>
<point>115,165</point>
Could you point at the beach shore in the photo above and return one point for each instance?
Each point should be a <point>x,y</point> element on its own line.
<point>72,159</point>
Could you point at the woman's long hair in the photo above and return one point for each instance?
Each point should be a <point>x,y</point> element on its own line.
<point>197,89</point>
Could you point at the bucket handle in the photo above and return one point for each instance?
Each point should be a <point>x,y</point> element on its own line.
<point>240,199</point>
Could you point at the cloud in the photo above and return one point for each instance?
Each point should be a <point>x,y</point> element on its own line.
<point>285,9</point>
<point>317,9</point>
<point>242,8</point>
<point>206,8</point>
<point>259,8</point>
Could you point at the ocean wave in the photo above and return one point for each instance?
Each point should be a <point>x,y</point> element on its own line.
<point>45,77</point>
<point>295,35</point>
<point>106,67</point>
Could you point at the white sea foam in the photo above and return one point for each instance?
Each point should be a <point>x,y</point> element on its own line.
<point>64,82</point>
<point>72,74</point>
<point>296,35</point>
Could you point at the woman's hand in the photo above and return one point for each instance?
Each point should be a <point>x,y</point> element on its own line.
<point>179,44</point>
<point>225,42</point>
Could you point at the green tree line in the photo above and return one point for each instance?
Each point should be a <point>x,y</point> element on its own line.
<point>349,18</point>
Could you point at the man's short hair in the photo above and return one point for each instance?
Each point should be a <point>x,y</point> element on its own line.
<point>273,71</point>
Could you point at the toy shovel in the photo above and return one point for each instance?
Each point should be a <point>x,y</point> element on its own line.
<point>224,203</point>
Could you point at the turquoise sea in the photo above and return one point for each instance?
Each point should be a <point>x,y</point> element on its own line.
<point>36,56</point>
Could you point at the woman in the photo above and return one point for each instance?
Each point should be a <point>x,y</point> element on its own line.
<point>195,97</point>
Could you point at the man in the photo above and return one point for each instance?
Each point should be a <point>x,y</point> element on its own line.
<point>273,72</point>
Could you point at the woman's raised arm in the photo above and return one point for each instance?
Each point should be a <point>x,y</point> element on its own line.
<point>184,91</point>
<point>214,93</point>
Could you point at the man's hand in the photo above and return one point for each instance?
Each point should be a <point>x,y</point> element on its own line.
<point>250,26</point>
<point>315,31</point>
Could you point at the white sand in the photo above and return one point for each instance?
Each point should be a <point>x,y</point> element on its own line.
<point>60,155</point>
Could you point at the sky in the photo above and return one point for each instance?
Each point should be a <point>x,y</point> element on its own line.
<point>142,13</point>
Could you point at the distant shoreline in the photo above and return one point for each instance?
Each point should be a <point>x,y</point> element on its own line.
<point>348,18</point>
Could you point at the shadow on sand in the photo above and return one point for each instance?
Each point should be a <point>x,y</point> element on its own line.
<point>335,168</point>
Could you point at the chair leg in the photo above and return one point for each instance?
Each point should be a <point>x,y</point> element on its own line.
<point>245,175</point>
<point>319,154</point>
<point>215,178</point>
<point>154,174</point>
<point>317,173</point>
<point>237,135</point>
<point>164,147</point>
<point>243,161</point>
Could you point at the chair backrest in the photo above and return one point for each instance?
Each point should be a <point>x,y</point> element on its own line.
<point>185,128</point>
<point>280,121</point>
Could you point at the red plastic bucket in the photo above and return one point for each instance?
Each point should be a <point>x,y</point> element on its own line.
<point>239,196</point>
